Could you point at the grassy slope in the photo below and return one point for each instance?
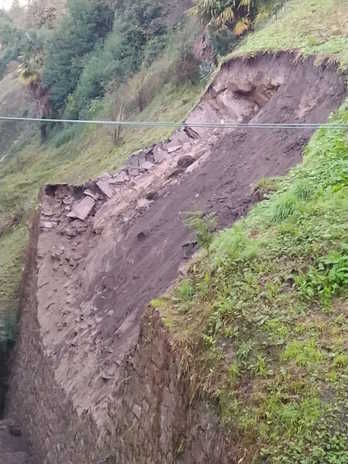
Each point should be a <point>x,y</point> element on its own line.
<point>262,316</point>
<point>311,26</point>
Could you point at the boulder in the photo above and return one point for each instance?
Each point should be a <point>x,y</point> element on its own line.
<point>82,208</point>
<point>105,187</point>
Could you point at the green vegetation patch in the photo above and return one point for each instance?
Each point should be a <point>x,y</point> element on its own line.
<point>12,246</point>
<point>311,26</point>
<point>262,318</point>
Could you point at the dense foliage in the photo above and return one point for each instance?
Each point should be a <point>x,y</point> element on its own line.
<point>234,14</point>
<point>97,45</point>
<point>85,26</point>
<point>136,38</point>
<point>11,39</point>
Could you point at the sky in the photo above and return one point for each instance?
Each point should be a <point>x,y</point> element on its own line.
<point>7,3</point>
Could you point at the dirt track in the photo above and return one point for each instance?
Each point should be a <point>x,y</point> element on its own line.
<point>97,274</point>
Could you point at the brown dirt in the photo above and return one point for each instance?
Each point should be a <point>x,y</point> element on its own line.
<point>13,448</point>
<point>95,276</point>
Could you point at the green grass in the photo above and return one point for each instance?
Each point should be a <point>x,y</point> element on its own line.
<point>263,327</point>
<point>310,26</point>
<point>12,246</point>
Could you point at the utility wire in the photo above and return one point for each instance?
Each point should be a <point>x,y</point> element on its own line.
<point>207,125</point>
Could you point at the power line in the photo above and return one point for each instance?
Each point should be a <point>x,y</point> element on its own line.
<point>207,125</point>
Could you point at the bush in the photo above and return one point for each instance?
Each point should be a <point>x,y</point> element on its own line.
<point>137,37</point>
<point>81,30</point>
<point>203,225</point>
<point>65,136</point>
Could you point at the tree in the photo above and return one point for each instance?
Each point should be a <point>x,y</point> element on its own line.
<point>81,30</point>
<point>17,13</point>
<point>232,14</point>
<point>44,13</point>
<point>30,71</point>
<point>137,37</point>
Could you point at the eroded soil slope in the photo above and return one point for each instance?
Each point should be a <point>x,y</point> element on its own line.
<point>102,251</point>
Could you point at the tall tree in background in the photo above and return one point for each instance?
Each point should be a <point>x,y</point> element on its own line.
<point>85,25</point>
<point>17,13</point>
<point>30,72</point>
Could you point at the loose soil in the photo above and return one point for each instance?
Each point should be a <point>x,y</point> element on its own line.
<point>105,249</point>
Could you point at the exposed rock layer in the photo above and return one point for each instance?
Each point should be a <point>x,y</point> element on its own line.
<point>94,381</point>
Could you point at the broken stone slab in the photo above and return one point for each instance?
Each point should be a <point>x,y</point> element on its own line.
<point>47,225</point>
<point>48,213</point>
<point>159,155</point>
<point>82,208</point>
<point>191,133</point>
<point>67,201</point>
<point>173,148</point>
<point>91,194</point>
<point>133,172</point>
<point>143,204</point>
<point>133,160</point>
<point>185,161</point>
<point>149,155</point>
<point>119,178</point>
<point>145,165</point>
<point>198,162</point>
<point>105,187</point>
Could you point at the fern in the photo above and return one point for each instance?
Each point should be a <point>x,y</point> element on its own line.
<point>234,14</point>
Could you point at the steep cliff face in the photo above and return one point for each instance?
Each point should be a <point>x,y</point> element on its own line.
<point>96,379</point>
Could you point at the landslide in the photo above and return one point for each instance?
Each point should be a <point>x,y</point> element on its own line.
<point>103,250</point>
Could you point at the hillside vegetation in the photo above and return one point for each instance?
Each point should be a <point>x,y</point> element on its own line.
<point>261,316</point>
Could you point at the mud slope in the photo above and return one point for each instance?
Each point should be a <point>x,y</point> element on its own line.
<point>86,385</point>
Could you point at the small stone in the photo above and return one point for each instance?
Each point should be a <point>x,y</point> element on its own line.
<point>146,165</point>
<point>106,376</point>
<point>105,188</point>
<point>60,327</point>
<point>133,172</point>
<point>120,178</point>
<point>82,209</point>
<point>47,213</point>
<point>143,204</point>
<point>137,411</point>
<point>173,148</point>
<point>159,156</point>
<point>89,193</point>
<point>191,132</point>
<point>185,161</point>
<point>189,248</point>
<point>152,196</point>
<point>47,225</point>
<point>133,161</point>
<point>14,430</point>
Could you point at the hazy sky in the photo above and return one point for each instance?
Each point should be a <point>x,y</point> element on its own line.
<point>7,3</point>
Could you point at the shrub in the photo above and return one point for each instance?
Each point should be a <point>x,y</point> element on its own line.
<point>203,225</point>
<point>284,208</point>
